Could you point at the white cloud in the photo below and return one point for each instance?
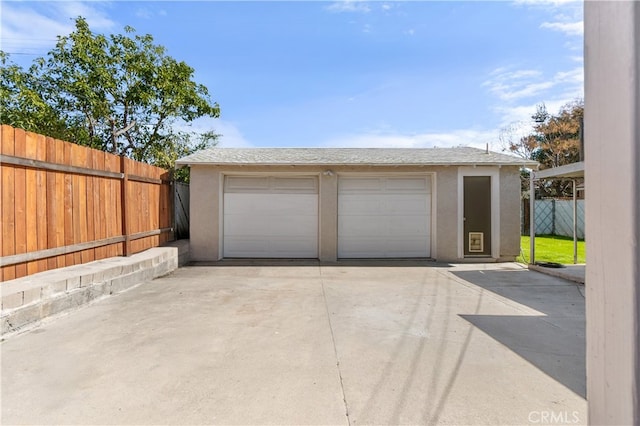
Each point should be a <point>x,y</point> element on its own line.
<point>510,86</point>
<point>471,138</point>
<point>521,90</point>
<point>527,91</point>
<point>565,16</point>
<point>147,13</point>
<point>230,134</point>
<point>96,17</point>
<point>574,76</point>
<point>523,113</point>
<point>349,6</point>
<point>569,28</point>
<point>144,13</point>
<point>33,27</point>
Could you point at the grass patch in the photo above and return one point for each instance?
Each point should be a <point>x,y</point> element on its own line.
<point>552,248</point>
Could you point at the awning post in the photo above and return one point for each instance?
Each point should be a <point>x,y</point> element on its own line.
<point>532,218</point>
<point>575,224</point>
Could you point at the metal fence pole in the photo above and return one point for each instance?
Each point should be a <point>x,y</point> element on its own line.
<point>575,223</point>
<point>532,218</point>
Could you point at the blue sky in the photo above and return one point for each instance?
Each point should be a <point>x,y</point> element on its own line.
<point>346,73</point>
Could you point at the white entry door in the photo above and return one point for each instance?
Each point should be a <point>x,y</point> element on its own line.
<point>384,216</point>
<point>270,217</point>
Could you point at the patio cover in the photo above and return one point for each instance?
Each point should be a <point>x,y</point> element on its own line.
<point>569,171</point>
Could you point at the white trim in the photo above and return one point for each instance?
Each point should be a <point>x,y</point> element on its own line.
<point>568,171</point>
<point>494,173</point>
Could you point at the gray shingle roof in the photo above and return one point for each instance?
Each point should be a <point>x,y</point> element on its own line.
<point>350,156</point>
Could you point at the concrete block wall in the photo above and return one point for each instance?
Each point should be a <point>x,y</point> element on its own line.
<point>28,300</point>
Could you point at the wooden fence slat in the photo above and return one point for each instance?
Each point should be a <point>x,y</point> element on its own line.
<point>89,196</point>
<point>41,201</point>
<point>20,202</point>
<point>7,146</point>
<point>52,201</point>
<point>68,203</point>
<point>99,211</point>
<point>31,207</point>
<point>60,203</point>
<point>78,209</point>
<point>115,219</point>
<point>125,195</point>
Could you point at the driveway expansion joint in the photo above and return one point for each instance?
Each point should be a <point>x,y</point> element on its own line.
<point>335,349</point>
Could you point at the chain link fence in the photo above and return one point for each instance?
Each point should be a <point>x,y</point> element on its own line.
<point>554,217</point>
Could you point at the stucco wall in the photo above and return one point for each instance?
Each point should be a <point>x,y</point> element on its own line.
<point>446,213</point>
<point>206,199</point>
<point>328,216</point>
<point>204,206</point>
<point>510,213</point>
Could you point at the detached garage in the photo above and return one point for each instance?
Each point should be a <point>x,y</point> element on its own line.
<point>441,203</point>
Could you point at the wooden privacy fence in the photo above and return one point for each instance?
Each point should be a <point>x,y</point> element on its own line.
<point>64,204</point>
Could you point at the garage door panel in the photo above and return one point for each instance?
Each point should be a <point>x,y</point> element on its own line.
<point>270,204</point>
<point>271,217</point>
<point>383,248</point>
<point>359,204</point>
<point>409,225</point>
<point>385,184</point>
<point>270,184</point>
<point>274,226</point>
<point>383,204</point>
<point>382,226</point>
<point>246,183</point>
<point>408,185</point>
<point>403,204</point>
<point>359,185</point>
<point>355,225</point>
<point>382,217</point>
<point>298,185</point>
<point>261,248</point>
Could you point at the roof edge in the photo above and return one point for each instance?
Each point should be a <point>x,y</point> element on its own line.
<point>211,163</point>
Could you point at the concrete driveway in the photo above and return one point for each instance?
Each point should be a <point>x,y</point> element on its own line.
<point>391,343</point>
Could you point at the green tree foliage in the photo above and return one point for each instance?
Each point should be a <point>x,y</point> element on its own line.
<point>554,141</point>
<point>558,136</point>
<point>23,105</point>
<point>120,93</point>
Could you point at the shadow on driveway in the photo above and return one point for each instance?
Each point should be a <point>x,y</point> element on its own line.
<point>554,341</point>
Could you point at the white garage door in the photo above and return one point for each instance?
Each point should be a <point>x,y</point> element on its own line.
<point>384,217</point>
<point>267,216</point>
